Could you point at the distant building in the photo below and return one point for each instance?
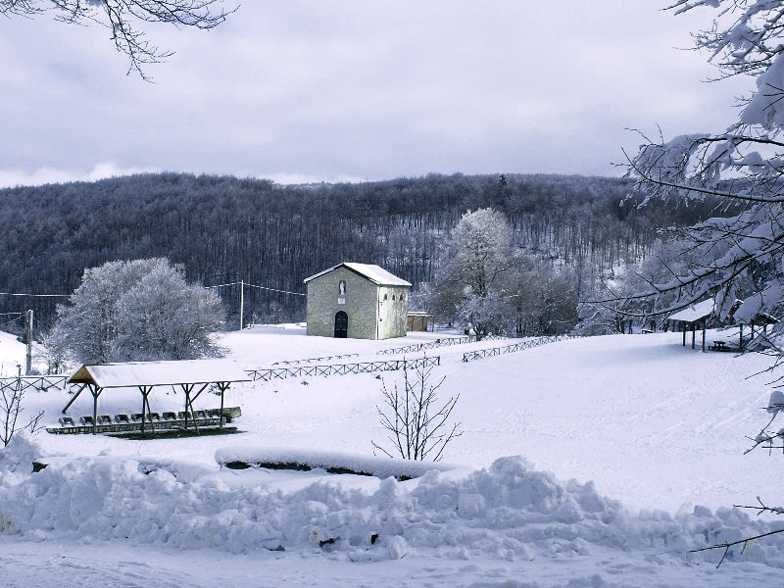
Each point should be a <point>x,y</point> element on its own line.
<point>357,300</point>
<point>420,321</point>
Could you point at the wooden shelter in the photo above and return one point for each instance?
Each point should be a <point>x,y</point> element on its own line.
<point>694,317</point>
<point>761,321</point>
<point>751,312</point>
<point>420,321</point>
<point>192,376</point>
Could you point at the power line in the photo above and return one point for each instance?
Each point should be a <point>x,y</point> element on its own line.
<point>275,290</point>
<point>12,321</point>
<point>259,287</point>
<point>36,295</point>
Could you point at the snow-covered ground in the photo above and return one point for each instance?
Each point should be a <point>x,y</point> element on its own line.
<point>589,462</point>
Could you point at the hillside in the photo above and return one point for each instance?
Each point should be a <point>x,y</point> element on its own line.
<point>650,434</point>
<point>225,230</point>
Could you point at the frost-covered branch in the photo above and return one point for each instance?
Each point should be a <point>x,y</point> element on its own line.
<point>729,544</point>
<point>766,437</point>
<point>124,18</point>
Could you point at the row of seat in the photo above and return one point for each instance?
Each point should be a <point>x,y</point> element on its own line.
<point>152,417</point>
<point>123,422</point>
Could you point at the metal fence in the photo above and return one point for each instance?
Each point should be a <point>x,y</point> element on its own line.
<point>530,344</point>
<point>342,369</point>
<point>447,342</point>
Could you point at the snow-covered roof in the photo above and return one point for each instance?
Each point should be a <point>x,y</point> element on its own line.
<point>372,272</point>
<point>159,373</point>
<point>695,312</point>
<point>753,309</point>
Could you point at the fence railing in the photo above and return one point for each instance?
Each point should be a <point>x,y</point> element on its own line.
<point>446,342</point>
<point>530,344</point>
<point>342,369</point>
<point>37,383</point>
<point>312,359</point>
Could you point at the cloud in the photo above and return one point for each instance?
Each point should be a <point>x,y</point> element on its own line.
<point>12,178</point>
<point>358,89</point>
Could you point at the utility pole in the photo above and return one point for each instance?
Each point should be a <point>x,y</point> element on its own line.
<point>29,361</point>
<point>242,300</point>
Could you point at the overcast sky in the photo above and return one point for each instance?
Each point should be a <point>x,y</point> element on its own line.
<point>300,91</point>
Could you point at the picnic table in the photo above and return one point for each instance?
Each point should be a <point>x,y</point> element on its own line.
<point>722,346</point>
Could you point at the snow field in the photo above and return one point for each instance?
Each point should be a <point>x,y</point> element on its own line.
<point>658,428</point>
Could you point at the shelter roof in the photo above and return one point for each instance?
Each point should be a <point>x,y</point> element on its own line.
<point>695,312</point>
<point>159,373</point>
<point>752,309</point>
<point>372,272</point>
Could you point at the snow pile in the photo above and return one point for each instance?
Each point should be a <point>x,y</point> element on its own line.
<point>16,460</point>
<point>507,512</point>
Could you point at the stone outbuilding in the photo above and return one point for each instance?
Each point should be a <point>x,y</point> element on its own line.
<point>357,300</point>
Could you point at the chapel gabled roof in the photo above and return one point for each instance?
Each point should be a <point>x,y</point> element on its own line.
<point>374,273</point>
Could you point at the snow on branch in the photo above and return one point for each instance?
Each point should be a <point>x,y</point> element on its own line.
<point>123,18</point>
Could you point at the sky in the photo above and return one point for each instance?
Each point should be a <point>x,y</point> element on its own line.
<point>353,90</point>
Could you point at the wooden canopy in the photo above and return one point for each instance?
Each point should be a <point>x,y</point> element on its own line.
<point>192,376</point>
<point>692,317</point>
<point>159,373</point>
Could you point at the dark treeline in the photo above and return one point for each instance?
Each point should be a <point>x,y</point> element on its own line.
<point>224,230</point>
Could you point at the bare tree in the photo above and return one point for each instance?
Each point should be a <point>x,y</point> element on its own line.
<point>124,17</point>
<point>11,397</point>
<point>418,427</point>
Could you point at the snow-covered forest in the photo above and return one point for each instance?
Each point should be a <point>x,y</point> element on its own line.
<point>225,230</point>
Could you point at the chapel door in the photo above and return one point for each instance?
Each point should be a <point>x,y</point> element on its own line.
<point>341,325</point>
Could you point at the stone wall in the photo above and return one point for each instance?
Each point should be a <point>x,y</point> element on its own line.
<point>393,311</point>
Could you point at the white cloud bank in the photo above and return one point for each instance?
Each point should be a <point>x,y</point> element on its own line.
<point>10,178</point>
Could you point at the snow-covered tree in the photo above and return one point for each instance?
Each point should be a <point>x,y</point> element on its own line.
<point>141,310</point>
<point>737,256</point>
<point>742,164</point>
<point>676,254</point>
<point>124,18</point>
<point>162,317</point>
<point>473,286</point>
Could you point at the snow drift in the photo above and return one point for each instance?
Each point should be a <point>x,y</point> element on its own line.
<point>508,511</point>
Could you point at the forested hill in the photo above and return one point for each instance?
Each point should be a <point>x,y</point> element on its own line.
<point>225,229</point>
